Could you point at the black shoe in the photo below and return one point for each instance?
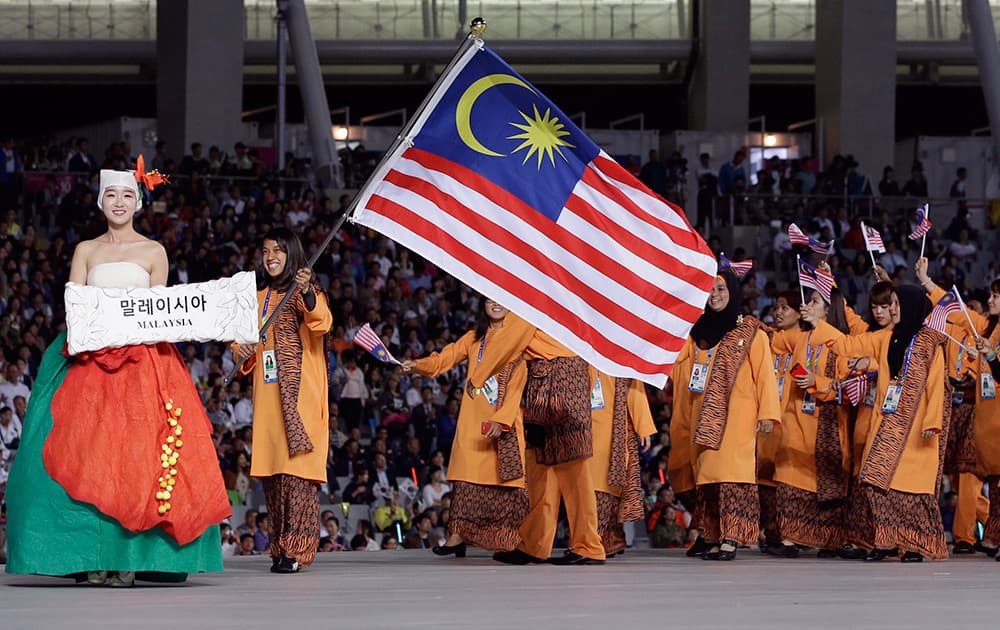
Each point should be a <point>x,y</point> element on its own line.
<point>877,555</point>
<point>911,556</point>
<point>852,553</point>
<point>698,548</point>
<point>572,558</point>
<point>963,548</point>
<point>286,565</point>
<point>517,557</point>
<point>989,551</point>
<point>783,551</point>
<point>445,550</point>
<point>725,556</point>
<point>826,553</point>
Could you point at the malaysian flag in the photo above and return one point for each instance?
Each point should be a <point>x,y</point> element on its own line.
<point>495,185</point>
<point>740,268</point>
<point>817,279</point>
<point>367,339</point>
<point>856,387</point>
<point>923,223</point>
<point>873,240</point>
<point>798,237</point>
<point>938,319</point>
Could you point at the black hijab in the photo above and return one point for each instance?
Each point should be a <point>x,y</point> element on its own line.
<point>914,307</point>
<point>712,326</point>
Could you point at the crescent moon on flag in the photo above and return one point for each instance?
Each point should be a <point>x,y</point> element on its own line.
<point>463,112</point>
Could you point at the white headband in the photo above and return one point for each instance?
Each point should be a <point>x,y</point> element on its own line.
<point>125,179</point>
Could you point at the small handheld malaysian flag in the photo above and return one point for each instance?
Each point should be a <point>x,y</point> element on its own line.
<point>856,387</point>
<point>938,319</point>
<point>367,339</point>
<point>873,240</point>
<point>741,268</point>
<point>798,237</point>
<point>923,224</point>
<point>817,279</point>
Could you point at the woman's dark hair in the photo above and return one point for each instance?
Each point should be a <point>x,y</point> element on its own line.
<point>794,299</point>
<point>431,471</point>
<point>289,243</point>
<point>837,314</point>
<point>992,319</point>
<point>880,294</point>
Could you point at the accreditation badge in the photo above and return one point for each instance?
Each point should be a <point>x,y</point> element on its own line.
<point>989,387</point>
<point>597,396</point>
<point>491,389</point>
<point>270,362</point>
<point>892,395</point>
<point>809,404</point>
<point>699,378</point>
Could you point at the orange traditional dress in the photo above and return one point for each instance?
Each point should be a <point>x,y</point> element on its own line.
<point>487,475</point>
<point>621,415</point>
<point>290,419</point>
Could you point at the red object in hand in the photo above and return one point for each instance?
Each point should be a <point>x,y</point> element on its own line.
<point>485,427</point>
<point>798,371</point>
<point>662,478</point>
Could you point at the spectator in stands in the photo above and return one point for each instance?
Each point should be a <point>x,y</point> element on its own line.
<point>13,385</point>
<point>654,174</point>
<point>420,536</point>
<point>731,171</point>
<point>387,516</point>
<point>410,462</point>
<point>708,189</point>
<point>230,542</point>
<point>353,392</point>
<point>10,429</point>
<point>262,537</point>
<point>447,425</point>
<point>366,534</point>
<point>434,489</point>
<point>359,491</point>
<point>958,187</point>
<point>382,479</point>
<point>81,161</point>
<point>249,525</point>
<point>963,248</point>
<point>246,547</point>
<point>916,186</point>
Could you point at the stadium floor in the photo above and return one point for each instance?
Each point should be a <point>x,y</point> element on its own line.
<point>410,589</point>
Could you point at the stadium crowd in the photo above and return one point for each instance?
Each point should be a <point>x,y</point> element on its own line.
<point>391,433</point>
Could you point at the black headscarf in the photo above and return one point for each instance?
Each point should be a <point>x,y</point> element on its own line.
<point>914,307</point>
<point>712,326</point>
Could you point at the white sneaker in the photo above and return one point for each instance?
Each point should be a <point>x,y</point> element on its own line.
<point>123,579</point>
<point>97,578</point>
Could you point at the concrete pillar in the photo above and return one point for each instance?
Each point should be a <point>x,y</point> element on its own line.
<point>199,77</point>
<point>719,93</point>
<point>856,81</point>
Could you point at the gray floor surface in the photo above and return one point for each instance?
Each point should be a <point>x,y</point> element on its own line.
<point>414,589</point>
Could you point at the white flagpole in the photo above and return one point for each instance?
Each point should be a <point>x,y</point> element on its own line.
<point>798,270</point>
<point>965,310</point>
<point>923,241</point>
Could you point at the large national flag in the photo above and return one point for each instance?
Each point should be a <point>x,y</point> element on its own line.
<point>496,186</point>
<point>938,319</point>
<point>873,240</point>
<point>923,224</point>
<point>817,279</point>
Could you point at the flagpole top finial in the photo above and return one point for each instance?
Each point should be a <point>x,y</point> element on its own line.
<point>477,27</point>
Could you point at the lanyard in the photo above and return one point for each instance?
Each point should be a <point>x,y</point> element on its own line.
<point>961,349</point>
<point>777,363</point>
<point>482,344</point>
<point>707,361</point>
<point>263,315</point>
<point>906,360</point>
<point>810,365</point>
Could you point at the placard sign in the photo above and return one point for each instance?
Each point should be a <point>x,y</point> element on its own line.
<point>218,310</point>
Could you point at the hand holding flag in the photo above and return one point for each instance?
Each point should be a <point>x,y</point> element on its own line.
<point>817,279</point>
<point>367,339</point>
